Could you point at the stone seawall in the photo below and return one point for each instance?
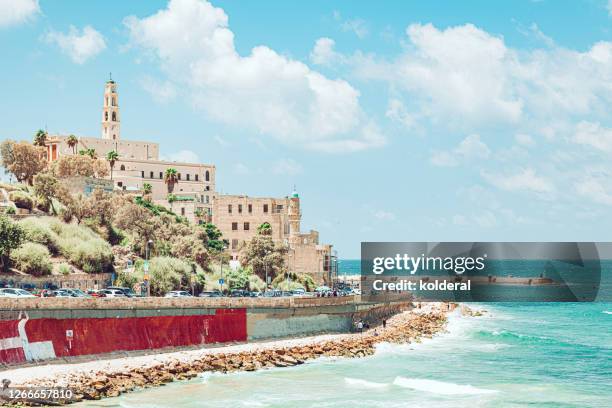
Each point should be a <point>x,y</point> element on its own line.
<point>45,329</point>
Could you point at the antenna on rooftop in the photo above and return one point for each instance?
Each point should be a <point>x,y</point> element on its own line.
<point>110,76</point>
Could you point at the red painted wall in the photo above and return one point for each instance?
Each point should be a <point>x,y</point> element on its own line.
<point>103,335</point>
<point>8,330</point>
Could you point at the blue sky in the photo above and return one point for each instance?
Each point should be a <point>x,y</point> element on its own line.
<point>397,121</point>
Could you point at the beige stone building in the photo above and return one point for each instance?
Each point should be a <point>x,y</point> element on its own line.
<point>139,163</point>
<point>237,216</point>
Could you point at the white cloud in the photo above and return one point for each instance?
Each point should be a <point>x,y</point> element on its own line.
<point>357,26</point>
<point>594,135</point>
<point>525,180</point>
<point>464,77</point>
<point>78,45</point>
<point>397,112</point>
<point>469,148</point>
<point>323,52</point>
<point>161,91</point>
<point>384,215</point>
<point>183,156</point>
<point>287,167</point>
<point>265,91</point>
<point>524,139</point>
<point>14,12</point>
<point>594,190</point>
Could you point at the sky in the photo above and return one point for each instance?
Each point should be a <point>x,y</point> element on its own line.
<point>396,121</point>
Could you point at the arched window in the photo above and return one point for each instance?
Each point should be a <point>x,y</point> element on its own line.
<point>122,168</point>
<point>114,101</point>
<point>105,115</point>
<point>207,176</point>
<point>114,116</point>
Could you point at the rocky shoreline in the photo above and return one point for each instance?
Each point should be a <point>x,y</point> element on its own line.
<point>406,327</point>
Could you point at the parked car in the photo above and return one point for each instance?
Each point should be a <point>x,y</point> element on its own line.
<point>272,293</point>
<point>43,293</point>
<point>254,294</point>
<point>113,293</point>
<point>15,293</point>
<point>178,293</point>
<point>62,293</point>
<point>95,293</point>
<point>129,292</point>
<point>298,292</point>
<point>239,293</point>
<point>76,292</point>
<point>211,293</point>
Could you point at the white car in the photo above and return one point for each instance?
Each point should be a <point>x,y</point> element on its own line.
<point>113,293</point>
<point>178,293</point>
<point>15,293</point>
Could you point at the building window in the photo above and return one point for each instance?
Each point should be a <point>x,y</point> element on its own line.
<point>161,175</point>
<point>207,188</point>
<point>239,208</point>
<point>142,174</point>
<point>183,211</point>
<point>120,184</point>
<point>250,206</point>
<point>197,176</point>
<point>122,168</point>
<point>207,200</point>
<point>234,243</point>
<point>188,177</point>
<point>265,208</point>
<point>179,176</point>
<point>106,116</point>
<point>114,116</point>
<point>279,208</point>
<point>207,176</point>
<point>234,226</point>
<point>151,174</point>
<point>229,208</point>
<point>247,226</point>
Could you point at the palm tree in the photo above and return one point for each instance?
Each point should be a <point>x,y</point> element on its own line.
<point>112,157</point>
<point>40,138</point>
<point>171,178</point>
<point>88,152</point>
<point>72,142</point>
<point>147,189</point>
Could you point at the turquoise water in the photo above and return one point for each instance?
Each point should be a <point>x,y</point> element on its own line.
<point>518,355</point>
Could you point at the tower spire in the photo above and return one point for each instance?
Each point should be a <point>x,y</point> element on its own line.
<point>111,124</point>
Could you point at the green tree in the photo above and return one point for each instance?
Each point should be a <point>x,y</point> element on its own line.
<point>147,188</point>
<point>213,235</point>
<point>89,152</point>
<point>23,159</point>
<point>112,158</point>
<point>11,237</point>
<point>72,142</point>
<point>264,229</point>
<point>171,178</point>
<point>262,254</point>
<point>40,138</point>
<point>46,188</point>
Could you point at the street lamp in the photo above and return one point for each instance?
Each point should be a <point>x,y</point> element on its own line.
<point>146,267</point>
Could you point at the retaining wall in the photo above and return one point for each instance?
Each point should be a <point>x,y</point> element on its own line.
<point>50,328</point>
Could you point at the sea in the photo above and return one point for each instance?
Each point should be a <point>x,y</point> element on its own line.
<point>516,355</point>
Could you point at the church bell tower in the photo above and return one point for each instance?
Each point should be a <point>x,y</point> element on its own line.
<point>110,113</point>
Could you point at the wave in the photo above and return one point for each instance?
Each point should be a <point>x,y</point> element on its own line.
<point>607,312</point>
<point>440,387</point>
<point>356,382</point>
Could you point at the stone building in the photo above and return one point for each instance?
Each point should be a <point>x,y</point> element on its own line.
<point>139,163</point>
<point>239,216</point>
<point>193,196</point>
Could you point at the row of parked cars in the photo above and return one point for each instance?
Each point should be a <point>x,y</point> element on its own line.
<point>122,292</point>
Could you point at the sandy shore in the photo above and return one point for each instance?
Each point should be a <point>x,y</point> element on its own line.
<point>107,378</point>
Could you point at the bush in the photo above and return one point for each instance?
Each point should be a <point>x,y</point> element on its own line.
<point>168,274</point>
<point>83,247</point>
<point>64,269</point>
<point>127,279</point>
<point>304,280</point>
<point>37,230</point>
<point>10,210</point>
<point>32,258</point>
<point>21,199</point>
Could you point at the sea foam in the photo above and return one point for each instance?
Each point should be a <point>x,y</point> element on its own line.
<point>357,382</point>
<point>439,387</point>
